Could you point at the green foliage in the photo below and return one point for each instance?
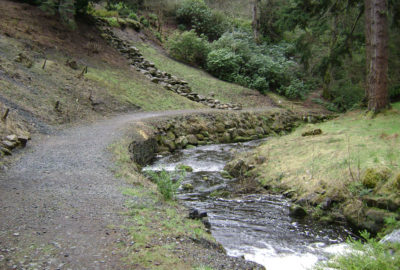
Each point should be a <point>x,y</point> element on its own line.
<point>102,13</point>
<point>296,89</point>
<point>224,64</point>
<point>189,48</point>
<point>195,14</point>
<point>113,22</point>
<point>133,16</point>
<point>371,255</point>
<point>144,21</point>
<point>165,183</point>
<point>235,57</point>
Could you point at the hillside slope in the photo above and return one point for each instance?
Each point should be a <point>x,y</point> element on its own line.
<point>41,80</point>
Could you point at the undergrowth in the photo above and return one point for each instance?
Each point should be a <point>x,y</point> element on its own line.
<point>369,254</point>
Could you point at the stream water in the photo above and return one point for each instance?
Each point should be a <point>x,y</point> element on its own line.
<point>255,226</point>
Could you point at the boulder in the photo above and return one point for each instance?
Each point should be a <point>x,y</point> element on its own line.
<point>23,139</point>
<point>393,237</point>
<point>197,214</point>
<point>181,142</point>
<point>12,138</point>
<point>143,151</point>
<point>192,139</point>
<point>9,145</point>
<point>296,211</point>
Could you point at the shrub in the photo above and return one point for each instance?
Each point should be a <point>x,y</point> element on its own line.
<point>224,64</point>
<point>113,22</point>
<point>236,57</point>
<point>195,14</point>
<point>165,184</point>
<point>296,89</point>
<point>189,48</point>
<point>153,18</point>
<point>144,21</point>
<point>122,9</point>
<point>133,16</point>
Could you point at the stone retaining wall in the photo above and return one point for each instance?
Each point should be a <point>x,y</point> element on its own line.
<point>187,131</point>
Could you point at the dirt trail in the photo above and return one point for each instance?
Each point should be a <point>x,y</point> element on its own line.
<point>59,199</point>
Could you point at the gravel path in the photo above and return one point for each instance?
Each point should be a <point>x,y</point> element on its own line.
<point>59,199</point>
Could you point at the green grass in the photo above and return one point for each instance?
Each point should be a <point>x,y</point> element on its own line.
<point>370,255</point>
<point>154,224</point>
<point>200,81</point>
<point>348,146</point>
<point>134,88</point>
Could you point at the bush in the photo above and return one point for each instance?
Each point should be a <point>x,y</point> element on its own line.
<point>133,16</point>
<point>189,48</point>
<point>224,64</point>
<point>237,58</point>
<point>296,89</point>
<point>144,21</point>
<point>165,184</point>
<point>122,9</point>
<point>347,95</point>
<point>113,22</point>
<point>195,14</point>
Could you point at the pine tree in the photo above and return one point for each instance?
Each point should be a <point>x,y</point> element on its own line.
<point>377,38</point>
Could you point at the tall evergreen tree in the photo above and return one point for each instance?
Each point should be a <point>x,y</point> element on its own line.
<point>376,25</point>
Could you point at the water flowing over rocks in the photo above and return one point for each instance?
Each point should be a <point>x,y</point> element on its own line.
<point>165,79</point>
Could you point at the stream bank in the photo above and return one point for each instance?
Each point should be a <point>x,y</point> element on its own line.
<point>163,136</point>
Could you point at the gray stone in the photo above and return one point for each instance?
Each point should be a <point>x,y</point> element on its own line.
<point>5,151</point>
<point>393,237</point>
<point>192,139</point>
<point>9,145</point>
<point>143,151</point>
<point>12,138</point>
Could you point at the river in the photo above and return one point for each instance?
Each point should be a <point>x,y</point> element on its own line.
<point>256,226</point>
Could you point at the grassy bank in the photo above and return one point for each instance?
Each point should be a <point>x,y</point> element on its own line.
<point>203,83</point>
<point>157,229</point>
<point>351,170</point>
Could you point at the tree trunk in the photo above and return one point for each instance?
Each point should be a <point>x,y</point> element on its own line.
<point>256,21</point>
<point>376,19</point>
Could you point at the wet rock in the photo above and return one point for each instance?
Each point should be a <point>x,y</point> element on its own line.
<point>187,187</point>
<point>197,214</point>
<point>192,139</point>
<point>143,151</point>
<point>236,168</point>
<point>181,142</point>
<point>206,222</point>
<point>296,211</point>
<point>185,168</point>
